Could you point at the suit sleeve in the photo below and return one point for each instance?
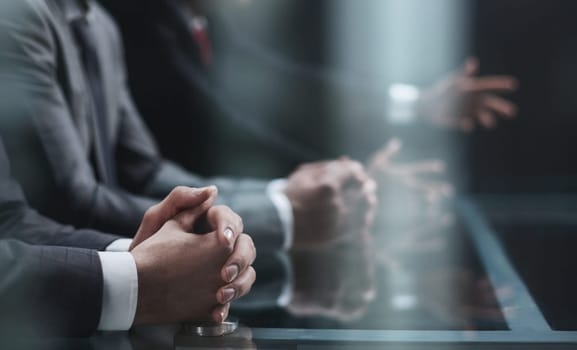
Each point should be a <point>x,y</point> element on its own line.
<point>48,156</point>
<point>48,284</point>
<point>48,291</point>
<point>19,221</point>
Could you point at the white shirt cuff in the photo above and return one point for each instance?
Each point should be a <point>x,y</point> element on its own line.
<point>120,245</point>
<point>120,291</point>
<point>286,295</point>
<point>275,191</point>
<point>402,104</point>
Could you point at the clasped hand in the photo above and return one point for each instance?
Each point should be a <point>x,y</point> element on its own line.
<point>192,259</point>
<point>332,201</point>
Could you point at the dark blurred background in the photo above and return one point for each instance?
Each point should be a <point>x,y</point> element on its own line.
<point>537,42</point>
<point>337,58</point>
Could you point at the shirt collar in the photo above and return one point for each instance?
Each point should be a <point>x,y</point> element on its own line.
<point>76,9</point>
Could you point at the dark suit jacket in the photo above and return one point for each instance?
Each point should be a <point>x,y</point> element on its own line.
<point>254,100</point>
<point>50,275</point>
<point>49,130</point>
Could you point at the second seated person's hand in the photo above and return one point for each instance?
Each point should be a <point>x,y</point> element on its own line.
<point>186,276</point>
<point>332,201</point>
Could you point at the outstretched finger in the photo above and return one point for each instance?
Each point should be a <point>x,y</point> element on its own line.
<point>496,83</point>
<point>432,166</point>
<point>486,118</point>
<point>499,105</point>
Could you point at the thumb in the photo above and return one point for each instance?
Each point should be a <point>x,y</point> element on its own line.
<point>178,200</point>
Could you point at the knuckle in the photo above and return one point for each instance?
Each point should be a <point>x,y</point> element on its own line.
<point>254,252</point>
<point>245,287</point>
<point>228,249</point>
<point>245,252</point>
<point>180,190</point>
<point>252,272</point>
<point>220,209</point>
<point>151,213</point>
<point>252,279</point>
<point>250,243</point>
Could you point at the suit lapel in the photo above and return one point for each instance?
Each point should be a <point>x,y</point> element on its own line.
<point>109,71</point>
<point>73,81</point>
<point>71,77</point>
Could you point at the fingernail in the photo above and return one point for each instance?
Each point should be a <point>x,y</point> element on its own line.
<point>228,234</point>
<point>227,295</point>
<point>231,272</point>
<point>211,189</point>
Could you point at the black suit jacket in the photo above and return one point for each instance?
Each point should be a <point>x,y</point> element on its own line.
<point>254,102</point>
<point>50,274</point>
<point>49,130</point>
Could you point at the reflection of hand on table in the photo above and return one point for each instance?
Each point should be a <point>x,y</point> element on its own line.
<point>460,298</point>
<point>336,282</point>
<point>412,201</point>
<point>240,339</point>
<point>415,238</point>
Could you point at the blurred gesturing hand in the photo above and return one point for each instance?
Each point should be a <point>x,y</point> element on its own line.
<point>464,100</point>
<point>414,177</point>
<point>331,201</point>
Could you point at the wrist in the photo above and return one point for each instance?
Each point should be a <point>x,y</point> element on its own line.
<point>144,307</point>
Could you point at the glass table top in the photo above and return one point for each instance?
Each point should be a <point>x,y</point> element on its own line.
<point>496,273</point>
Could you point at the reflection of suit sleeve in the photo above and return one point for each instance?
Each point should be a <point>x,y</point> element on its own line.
<point>52,288</point>
<point>49,150</point>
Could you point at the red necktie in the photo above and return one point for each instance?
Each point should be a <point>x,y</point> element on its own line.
<point>201,37</point>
